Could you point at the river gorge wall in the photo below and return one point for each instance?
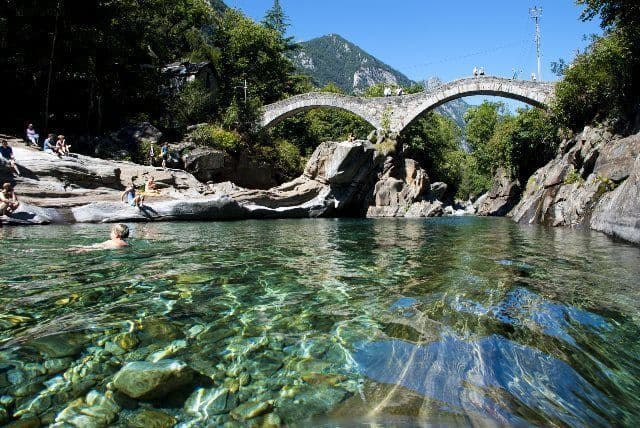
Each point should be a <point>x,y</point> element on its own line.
<point>594,182</point>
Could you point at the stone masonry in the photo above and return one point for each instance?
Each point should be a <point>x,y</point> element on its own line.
<point>402,110</point>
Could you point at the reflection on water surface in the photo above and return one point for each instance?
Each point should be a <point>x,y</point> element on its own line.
<point>452,321</point>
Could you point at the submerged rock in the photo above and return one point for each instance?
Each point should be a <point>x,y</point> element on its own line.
<point>148,381</point>
<point>96,410</point>
<point>251,410</point>
<point>150,419</point>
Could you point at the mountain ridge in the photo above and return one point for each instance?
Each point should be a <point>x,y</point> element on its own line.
<point>334,59</point>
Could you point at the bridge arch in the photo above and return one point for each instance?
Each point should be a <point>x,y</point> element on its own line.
<point>532,93</point>
<point>281,110</point>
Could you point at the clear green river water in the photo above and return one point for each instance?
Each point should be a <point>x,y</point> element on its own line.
<point>330,323</point>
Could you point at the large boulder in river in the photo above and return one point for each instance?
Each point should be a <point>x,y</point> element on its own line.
<point>148,381</point>
<point>211,165</point>
<point>502,197</point>
<point>402,184</point>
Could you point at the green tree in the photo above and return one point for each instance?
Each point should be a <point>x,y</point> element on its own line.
<point>481,122</point>
<point>275,18</point>
<point>194,104</point>
<point>434,141</point>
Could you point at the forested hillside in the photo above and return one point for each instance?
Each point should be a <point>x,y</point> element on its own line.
<point>333,59</point>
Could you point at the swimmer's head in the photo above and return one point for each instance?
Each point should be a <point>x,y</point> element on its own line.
<point>120,231</point>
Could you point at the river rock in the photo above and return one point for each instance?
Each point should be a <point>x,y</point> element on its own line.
<point>148,381</point>
<point>204,402</point>
<point>402,184</point>
<point>502,197</point>
<point>584,186</point>
<point>95,411</point>
<point>618,212</point>
<point>151,419</point>
<point>425,209</point>
<point>251,410</point>
<point>60,345</point>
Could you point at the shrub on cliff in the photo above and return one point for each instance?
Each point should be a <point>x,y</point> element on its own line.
<point>216,137</point>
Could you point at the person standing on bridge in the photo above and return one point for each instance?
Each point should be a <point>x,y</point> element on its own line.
<point>533,77</point>
<point>475,71</point>
<point>481,71</point>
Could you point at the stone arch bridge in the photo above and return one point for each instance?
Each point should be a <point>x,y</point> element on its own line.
<point>402,110</point>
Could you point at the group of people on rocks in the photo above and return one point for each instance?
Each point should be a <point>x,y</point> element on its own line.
<point>56,145</point>
<point>52,144</point>
<point>130,197</point>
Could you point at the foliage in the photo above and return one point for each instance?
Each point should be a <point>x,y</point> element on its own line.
<point>194,104</point>
<point>275,19</point>
<point>284,156</point>
<point>598,85</point>
<point>533,141</point>
<point>255,53</point>
<point>613,13</point>
<point>385,120</point>
<point>215,137</point>
<point>104,67</point>
<point>481,122</point>
<point>471,182</point>
<point>601,84</point>
<point>573,177</point>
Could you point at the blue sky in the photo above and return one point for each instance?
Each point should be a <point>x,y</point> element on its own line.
<point>424,38</point>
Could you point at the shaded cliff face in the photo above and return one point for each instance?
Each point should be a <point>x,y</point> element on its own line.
<point>593,182</point>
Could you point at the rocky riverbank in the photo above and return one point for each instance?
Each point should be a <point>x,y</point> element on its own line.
<point>594,182</point>
<point>340,179</point>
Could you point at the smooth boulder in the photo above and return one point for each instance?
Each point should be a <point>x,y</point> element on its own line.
<point>148,381</point>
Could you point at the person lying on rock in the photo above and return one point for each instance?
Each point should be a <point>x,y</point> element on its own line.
<point>129,196</point>
<point>119,232</point>
<point>8,200</point>
<point>6,153</point>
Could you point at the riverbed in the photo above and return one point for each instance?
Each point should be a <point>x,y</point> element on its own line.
<point>453,321</point>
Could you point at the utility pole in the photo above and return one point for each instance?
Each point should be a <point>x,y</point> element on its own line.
<point>536,14</point>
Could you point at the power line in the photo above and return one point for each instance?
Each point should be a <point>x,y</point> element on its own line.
<point>456,58</point>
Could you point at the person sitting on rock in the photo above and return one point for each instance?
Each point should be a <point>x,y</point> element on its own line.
<point>50,147</point>
<point>32,135</point>
<point>150,187</point>
<point>8,200</point>
<point>119,232</point>
<point>6,153</point>
<point>61,146</point>
<point>129,196</point>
